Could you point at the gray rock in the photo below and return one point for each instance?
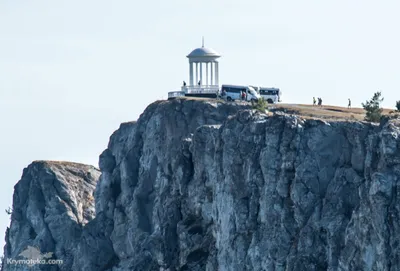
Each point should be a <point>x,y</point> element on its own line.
<point>52,203</point>
<point>196,186</point>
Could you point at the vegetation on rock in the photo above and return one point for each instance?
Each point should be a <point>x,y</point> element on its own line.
<point>373,108</point>
<point>260,105</point>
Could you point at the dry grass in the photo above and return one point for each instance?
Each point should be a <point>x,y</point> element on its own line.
<point>325,112</point>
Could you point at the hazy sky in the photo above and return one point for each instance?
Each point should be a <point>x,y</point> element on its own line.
<point>72,71</point>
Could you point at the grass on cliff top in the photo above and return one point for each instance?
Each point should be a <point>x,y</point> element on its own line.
<point>326,112</point>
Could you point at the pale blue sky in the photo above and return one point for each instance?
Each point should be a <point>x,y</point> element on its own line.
<point>72,71</point>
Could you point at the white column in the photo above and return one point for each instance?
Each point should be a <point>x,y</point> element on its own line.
<point>197,73</point>
<point>212,73</point>
<point>216,73</point>
<point>207,73</point>
<point>201,73</point>
<point>191,73</point>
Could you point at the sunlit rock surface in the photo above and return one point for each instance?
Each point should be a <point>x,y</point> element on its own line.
<point>52,203</point>
<point>194,185</point>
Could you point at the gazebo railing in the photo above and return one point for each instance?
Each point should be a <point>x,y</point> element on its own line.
<point>201,89</point>
<point>175,94</point>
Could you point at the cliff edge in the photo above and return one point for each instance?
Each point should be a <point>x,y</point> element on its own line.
<point>195,185</point>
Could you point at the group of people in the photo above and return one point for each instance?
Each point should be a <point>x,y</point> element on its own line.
<point>184,83</point>
<point>319,101</point>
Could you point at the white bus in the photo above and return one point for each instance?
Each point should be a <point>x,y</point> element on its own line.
<point>234,92</point>
<point>271,95</point>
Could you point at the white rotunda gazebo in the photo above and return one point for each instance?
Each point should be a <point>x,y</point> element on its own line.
<point>203,74</point>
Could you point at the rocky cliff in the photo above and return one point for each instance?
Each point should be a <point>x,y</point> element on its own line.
<point>193,185</point>
<point>52,203</point>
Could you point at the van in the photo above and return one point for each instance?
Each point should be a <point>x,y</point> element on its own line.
<point>233,92</point>
<point>271,95</point>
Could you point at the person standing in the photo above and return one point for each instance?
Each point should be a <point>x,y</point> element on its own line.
<point>223,93</point>
<point>349,105</point>
<point>314,101</point>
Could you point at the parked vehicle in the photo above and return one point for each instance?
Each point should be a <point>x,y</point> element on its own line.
<point>234,92</point>
<point>271,95</point>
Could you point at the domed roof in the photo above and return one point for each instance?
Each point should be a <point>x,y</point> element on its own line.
<point>203,52</point>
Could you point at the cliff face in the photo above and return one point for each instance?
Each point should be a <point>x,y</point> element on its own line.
<point>195,186</point>
<point>52,202</point>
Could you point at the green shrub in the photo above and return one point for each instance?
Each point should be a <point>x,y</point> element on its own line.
<point>260,105</point>
<point>373,108</point>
